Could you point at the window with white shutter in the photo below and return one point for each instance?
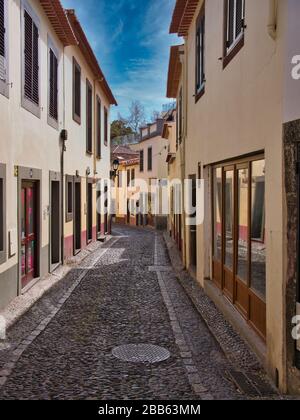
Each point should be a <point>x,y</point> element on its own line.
<point>31,61</point>
<point>3,48</point>
<point>53,85</point>
<point>235,26</point>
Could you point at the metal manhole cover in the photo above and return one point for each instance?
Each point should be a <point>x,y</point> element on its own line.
<point>141,353</point>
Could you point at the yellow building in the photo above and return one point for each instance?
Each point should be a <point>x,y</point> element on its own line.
<point>240,127</point>
<point>125,201</point>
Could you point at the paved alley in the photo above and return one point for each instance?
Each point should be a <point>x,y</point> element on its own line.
<point>124,293</point>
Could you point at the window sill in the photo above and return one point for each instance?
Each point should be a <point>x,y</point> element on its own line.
<point>89,153</point>
<point>199,95</point>
<point>31,107</point>
<point>232,53</point>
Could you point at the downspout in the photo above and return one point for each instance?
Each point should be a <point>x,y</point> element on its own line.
<point>62,167</point>
<point>272,21</point>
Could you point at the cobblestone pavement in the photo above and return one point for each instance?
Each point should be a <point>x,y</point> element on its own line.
<point>124,293</point>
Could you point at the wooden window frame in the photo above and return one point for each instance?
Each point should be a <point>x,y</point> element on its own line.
<point>229,52</point>
<point>53,122</point>
<point>3,213</point>
<point>105,126</point>
<point>4,84</point>
<point>26,103</point>
<point>150,159</point>
<point>99,128</point>
<point>76,67</point>
<point>89,118</point>
<point>200,55</point>
<point>69,215</point>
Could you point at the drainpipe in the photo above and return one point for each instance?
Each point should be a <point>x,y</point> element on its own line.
<point>272,21</point>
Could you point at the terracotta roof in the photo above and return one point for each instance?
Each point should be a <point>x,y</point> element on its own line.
<point>58,19</point>
<point>89,55</point>
<point>182,16</point>
<point>175,69</point>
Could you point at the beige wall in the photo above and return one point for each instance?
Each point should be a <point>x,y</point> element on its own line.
<point>241,112</point>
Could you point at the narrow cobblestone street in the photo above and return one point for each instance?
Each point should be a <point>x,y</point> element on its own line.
<point>124,293</point>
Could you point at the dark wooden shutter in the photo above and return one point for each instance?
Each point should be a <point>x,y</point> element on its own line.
<point>31,59</point>
<point>230,23</point>
<point>89,118</point>
<point>202,62</point>
<point>2,42</point>
<point>239,17</point>
<point>53,85</point>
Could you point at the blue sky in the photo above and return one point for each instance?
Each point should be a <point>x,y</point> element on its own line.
<point>131,40</point>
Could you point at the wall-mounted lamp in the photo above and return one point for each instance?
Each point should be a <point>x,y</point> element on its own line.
<point>88,171</point>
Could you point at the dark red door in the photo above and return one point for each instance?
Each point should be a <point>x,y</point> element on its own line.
<point>29,233</point>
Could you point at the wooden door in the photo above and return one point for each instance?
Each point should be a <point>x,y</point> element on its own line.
<point>28,233</point>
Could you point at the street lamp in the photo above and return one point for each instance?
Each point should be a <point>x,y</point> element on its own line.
<point>115,167</point>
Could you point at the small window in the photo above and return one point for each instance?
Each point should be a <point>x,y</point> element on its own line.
<point>3,48</point>
<point>53,86</point>
<point>69,198</point>
<point>99,128</point>
<point>105,127</point>
<point>2,215</point>
<point>31,69</point>
<point>142,161</point>
<point>234,29</point>
<point>133,177</point>
<point>150,159</point>
<point>76,92</point>
<point>200,54</point>
<point>89,117</point>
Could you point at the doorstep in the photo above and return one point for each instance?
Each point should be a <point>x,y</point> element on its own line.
<point>21,304</point>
